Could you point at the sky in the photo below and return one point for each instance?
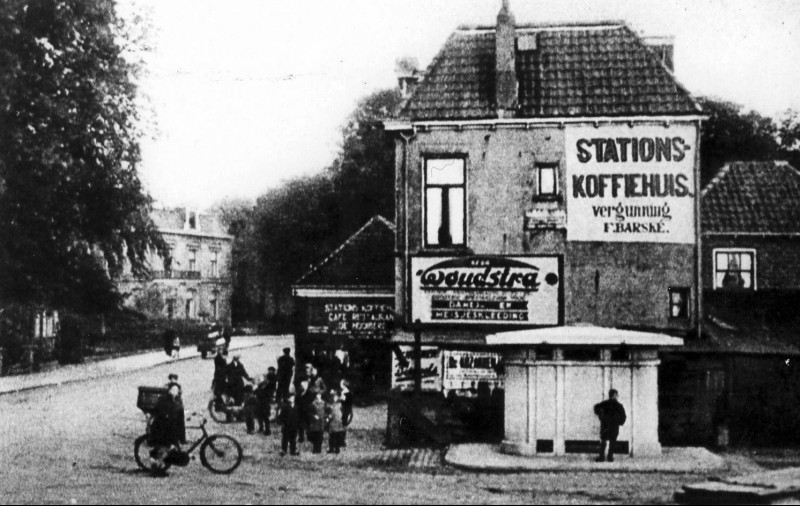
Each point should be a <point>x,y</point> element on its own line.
<point>248,93</point>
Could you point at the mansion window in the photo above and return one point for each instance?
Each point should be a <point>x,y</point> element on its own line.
<point>192,260</point>
<point>734,269</point>
<point>191,306</point>
<point>214,259</point>
<point>445,202</point>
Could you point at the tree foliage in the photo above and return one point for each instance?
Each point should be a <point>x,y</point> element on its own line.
<point>734,134</point>
<point>72,207</point>
<point>298,224</point>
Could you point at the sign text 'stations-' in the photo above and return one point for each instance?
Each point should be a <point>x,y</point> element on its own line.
<point>488,290</point>
<point>358,318</point>
<point>630,184</point>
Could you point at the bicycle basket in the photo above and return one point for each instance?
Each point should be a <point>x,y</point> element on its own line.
<point>148,397</point>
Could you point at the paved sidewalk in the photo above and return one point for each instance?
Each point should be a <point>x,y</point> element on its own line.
<point>91,370</point>
<point>487,458</point>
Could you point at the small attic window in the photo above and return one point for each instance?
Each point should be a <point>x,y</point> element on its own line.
<point>528,42</point>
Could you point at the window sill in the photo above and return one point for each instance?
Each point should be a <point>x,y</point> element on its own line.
<point>450,250</point>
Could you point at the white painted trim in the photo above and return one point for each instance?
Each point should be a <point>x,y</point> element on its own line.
<point>191,233</point>
<point>581,336</point>
<point>714,252</point>
<point>528,122</point>
<point>341,293</point>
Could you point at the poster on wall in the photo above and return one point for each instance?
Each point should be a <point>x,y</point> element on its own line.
<point>486,290</point>
<point>403,368</point>
<point>467,369</point>
<point>631,184</point>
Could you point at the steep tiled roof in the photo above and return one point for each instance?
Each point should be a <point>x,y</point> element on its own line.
<point>762,197</point>
<point>365,259</point>
<point>575,71</point>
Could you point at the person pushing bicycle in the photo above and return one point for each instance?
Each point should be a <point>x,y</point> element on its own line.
<point>168,430</point>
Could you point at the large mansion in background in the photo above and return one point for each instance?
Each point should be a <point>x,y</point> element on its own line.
<point>195,283</point>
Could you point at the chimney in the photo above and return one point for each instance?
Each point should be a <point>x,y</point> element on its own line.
<point>505,64</point>
<point>664,47</point>
<point>408,74</point>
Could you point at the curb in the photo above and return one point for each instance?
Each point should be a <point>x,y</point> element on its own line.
<point>104,375</point>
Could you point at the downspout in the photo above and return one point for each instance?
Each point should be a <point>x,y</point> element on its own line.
<point>698,235</point>
<point>406,290</point>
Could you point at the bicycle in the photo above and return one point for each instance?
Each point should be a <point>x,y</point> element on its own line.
<point>219,453</point>
<point>224,411</point>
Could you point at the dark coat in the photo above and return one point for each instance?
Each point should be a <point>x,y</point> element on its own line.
<point>168,426</point>
<point>290,418</point>
<point>612,416</point>
<point>235,376</point>
<point>220,374</point>
<point>316,416</point>
<point>285,368</point>
<point>317,386</point>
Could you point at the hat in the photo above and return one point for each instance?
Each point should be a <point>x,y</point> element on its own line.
<point>173,376</point>
<point>287,350</point>
<point>220,342</point>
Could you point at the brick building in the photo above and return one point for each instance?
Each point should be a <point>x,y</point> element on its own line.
<point>739,377</point>
<point>545,182</point>
<point>195,284</point>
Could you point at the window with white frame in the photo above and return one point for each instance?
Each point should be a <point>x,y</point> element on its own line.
<point>192,260</point>
<point>214,259</point>
<point>191,304</point>
<point>445,185</point>
<point>214,304</point>
<point>734,269</point>
<point>547,180</point>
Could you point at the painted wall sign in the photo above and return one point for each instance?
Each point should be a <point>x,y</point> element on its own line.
<point>358,318</point>
<point>466,369</point>
<point>403,368</point>
<point>630,184</point>
<point>486,290</point>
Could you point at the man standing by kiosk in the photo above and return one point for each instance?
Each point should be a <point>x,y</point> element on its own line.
<point>612,416</point>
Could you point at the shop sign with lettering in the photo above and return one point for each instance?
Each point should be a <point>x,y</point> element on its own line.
<point>631,184</point>
<point>486,290</point>
<point>358,318</point>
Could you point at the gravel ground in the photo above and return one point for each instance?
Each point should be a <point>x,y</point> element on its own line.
<point>73,444</point>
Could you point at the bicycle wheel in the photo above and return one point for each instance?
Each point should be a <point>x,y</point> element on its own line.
<point>143,453</point>
<point>218,415</point>
<point>221,454</point>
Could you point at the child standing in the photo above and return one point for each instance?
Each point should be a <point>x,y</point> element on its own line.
<point>316,423</point>
<point>264,393</point>
<point>250,408</point>
<point>290,417</point>
<point>336,428</point>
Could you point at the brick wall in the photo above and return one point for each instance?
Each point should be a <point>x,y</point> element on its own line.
<point>608,284</point>
<point>777,260</point>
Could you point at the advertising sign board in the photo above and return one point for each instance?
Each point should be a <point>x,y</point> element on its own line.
<point>486,290</point>
<point>403,368</point>
<point>631,184</point>
<point>466,369</point>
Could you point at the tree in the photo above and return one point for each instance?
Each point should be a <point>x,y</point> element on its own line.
<point>731,134</point>
<point>70,195</point>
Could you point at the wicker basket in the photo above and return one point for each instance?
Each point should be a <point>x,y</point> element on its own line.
<point>148,398</point>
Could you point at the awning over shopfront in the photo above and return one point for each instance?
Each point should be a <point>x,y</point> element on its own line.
<point>581,336</point>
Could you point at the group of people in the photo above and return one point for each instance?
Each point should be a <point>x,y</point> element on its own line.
<point>308,408</point>
<point>311,409</point>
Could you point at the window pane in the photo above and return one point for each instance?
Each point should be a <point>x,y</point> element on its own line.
<point>722,261</point>
<point>547,181</point>
<point>746,262</point>
<point>457,215</point>
<point>720,277</point>
<point>445,171</point>
<point>433,214</point>
<point>747,280</point>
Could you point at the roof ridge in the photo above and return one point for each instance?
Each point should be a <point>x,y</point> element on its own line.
<point>721,173</point>
<point>605,23</point>
<point>321,264</point>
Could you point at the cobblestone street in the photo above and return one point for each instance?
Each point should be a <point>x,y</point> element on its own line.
<point>73,443</point>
